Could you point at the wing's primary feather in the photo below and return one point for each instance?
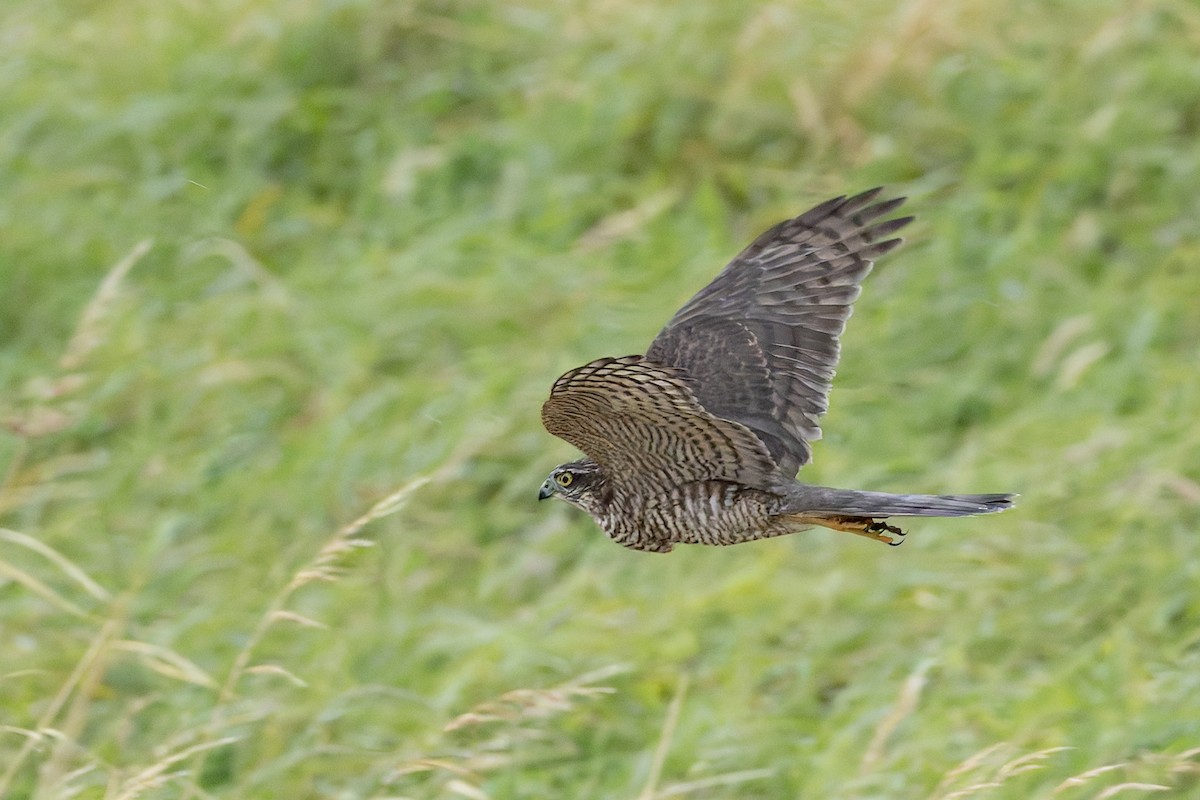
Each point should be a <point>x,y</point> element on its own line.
<point>641,421</point>
<point>760,343</point>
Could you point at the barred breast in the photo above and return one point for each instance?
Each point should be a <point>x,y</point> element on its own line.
<point>699,512</point>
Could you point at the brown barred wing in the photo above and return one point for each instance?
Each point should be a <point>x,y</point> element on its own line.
<point>642,423</point>
<point>760,342</point>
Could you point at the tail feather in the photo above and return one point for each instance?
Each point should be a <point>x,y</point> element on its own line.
<point>818,500</point>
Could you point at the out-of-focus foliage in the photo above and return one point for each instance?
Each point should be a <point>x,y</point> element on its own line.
<point>282,279</point>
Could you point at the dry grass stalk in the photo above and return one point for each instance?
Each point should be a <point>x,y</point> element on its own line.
<point>276,669</point>
<point>513,707</point>
<point>670,723</point>
<point>323,567</point>
<point>41,419</point>
<point>1027,762</point>
<point>971,764</point>
<point>520,704</point>
<point>418,765</point>
<point>68,567</point>
<point>1084,777</point>
<point>250,268</point>
<point>89,333</point>
<point>37,587</point>
<point>85,674</point>
<point>1012,767</point>
<point>167,662</point>
<point>1113,791</point>
<point>158,774</point>
<point>728,779</point>
<point>906,704</point>
<point>623,224</point>
<point>990,777</point>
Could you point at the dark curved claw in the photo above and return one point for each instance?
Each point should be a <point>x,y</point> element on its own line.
<point>881,527</point>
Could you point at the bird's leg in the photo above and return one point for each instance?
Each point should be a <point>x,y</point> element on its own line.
<point>865,526</point>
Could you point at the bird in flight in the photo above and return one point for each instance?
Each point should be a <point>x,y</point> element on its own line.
<point>699,440</point>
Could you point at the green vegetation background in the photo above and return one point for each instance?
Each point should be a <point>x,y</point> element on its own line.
<point>279,280</point>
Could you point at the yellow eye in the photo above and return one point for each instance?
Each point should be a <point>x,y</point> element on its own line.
<point>564,479</point>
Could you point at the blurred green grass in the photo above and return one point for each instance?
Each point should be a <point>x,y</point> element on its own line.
<point>379,231</point>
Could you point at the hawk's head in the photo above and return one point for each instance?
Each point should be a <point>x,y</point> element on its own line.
<point>581,483</point>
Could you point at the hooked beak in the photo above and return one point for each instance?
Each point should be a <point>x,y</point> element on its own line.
<point>546,491</point>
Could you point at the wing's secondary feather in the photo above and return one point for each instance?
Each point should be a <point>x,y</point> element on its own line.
<point>642,422</point>
<point>760,343</point>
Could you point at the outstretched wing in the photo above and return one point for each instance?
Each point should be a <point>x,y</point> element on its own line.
<point>642,423</point>
<point>760,342</point>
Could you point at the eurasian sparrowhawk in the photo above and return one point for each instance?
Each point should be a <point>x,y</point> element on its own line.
<point>699,440</point>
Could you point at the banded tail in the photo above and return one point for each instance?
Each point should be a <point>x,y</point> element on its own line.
<point>860,512</point>
<point>819,500</point>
